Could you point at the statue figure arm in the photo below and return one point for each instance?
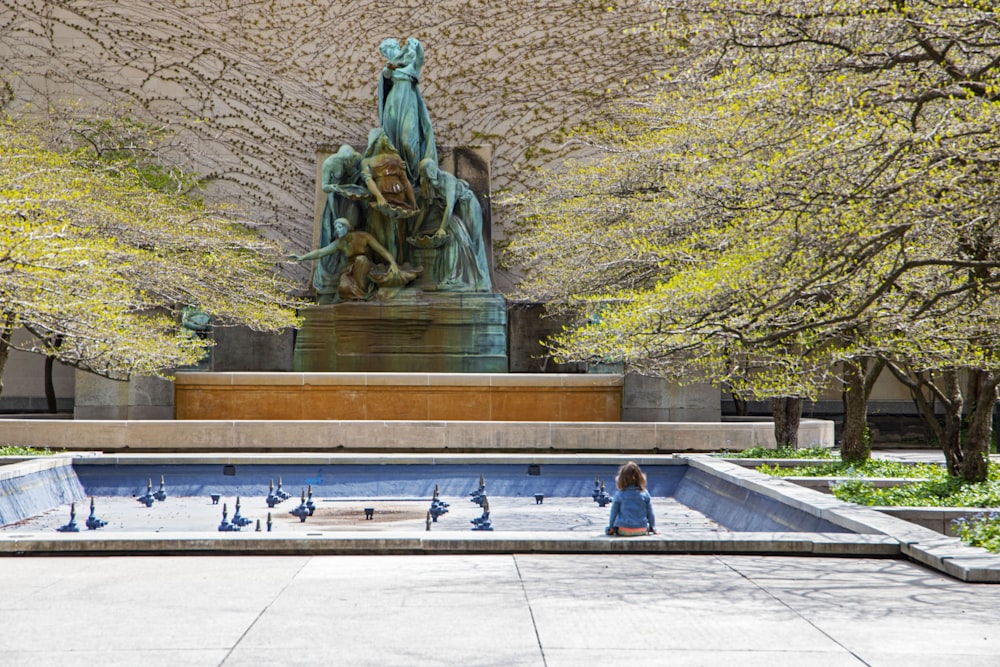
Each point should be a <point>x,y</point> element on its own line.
<point>328,170</point>
<point>413,56</point>
<point>321,252</point>
<point>379,248</point>
<point>394,273</point>
<point>448,192</point>
<point>366,174</point>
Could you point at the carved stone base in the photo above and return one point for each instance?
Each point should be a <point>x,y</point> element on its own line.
<point>415,332</point>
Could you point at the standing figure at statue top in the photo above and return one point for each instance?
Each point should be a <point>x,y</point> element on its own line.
<point>401,109</point>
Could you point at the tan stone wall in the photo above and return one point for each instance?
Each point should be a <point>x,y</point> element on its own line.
<point>257,88</point>
<point>24,382</point>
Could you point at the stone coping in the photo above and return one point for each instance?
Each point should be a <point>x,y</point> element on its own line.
<point>389,542</point>
<point>781,463</point>
<point>875,533</point>
<point>525,380</point>
<point>306,458</point>
<point>234,436</point>
<point>21,466</point>
<point>918,543</point>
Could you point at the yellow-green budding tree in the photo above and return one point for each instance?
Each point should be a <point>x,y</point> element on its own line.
<point>803,193</point>
<point>102,244</point>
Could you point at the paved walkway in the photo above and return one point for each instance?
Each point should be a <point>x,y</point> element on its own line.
<point>491,610</point>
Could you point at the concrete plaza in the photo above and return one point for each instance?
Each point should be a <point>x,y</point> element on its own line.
<point>522,609</point>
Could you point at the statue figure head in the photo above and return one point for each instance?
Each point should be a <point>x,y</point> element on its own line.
<point>379,143</point>
<point>390,48</point>
<point>341,227</point>
<point>340,164</point>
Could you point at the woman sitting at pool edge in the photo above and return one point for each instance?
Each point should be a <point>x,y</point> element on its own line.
<point>632,507</point>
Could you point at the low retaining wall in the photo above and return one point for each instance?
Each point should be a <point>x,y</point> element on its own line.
<point>35,486</point>
<point>399,396</point>
<point>399,436</point>
<point>938,519</point>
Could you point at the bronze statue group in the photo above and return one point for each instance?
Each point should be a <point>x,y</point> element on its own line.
<point>393,208</point>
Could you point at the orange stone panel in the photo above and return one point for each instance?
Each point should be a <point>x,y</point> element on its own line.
<point>410,403</point>
<point>332,402</point>
<point>269,402</point>
<point>479,400</point>
<point>512,404</point>
<point>460,404</point>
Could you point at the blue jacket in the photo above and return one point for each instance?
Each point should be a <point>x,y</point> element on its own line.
<point>632,508</point>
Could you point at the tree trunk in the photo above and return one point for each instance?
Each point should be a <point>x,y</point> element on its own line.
<point>859,377</point>
<point>917,383</point>
<point>976,447</point>
<point>854,444</point>
<point>50,389</point>
<point>741,404</point>
<point>787,413</point>
<point>951,434</point>
<point>6,332</point>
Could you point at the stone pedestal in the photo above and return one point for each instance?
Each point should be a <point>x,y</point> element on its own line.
<point>415,332</point>
<point>139,398</point>
<point>241,349</point>
<point>651,399</point>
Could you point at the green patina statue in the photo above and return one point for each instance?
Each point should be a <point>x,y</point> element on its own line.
<point>360,275</point>
<point>401,109</point>
<point>461,263</point>
<point>393,199</point>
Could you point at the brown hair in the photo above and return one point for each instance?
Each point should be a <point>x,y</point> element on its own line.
<point>631,474</point>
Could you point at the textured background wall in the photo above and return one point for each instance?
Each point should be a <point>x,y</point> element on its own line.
<point>257,87</point>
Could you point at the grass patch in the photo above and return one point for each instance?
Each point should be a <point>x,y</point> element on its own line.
<point>935,488</point>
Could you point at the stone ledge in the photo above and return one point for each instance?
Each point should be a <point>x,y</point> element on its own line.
<point>388,542</point>
<point>239,436</point>
<point>562,380</point>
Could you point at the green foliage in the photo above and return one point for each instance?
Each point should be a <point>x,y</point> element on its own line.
<point>870,468</point>
<point>980,530</point>
<point>934,488</point>
<point>780,453</point>
<point>15,450</point>
<point>96,264</point>
<point>129,148</point>
<point>803,186</point>
<point>946,492</point>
